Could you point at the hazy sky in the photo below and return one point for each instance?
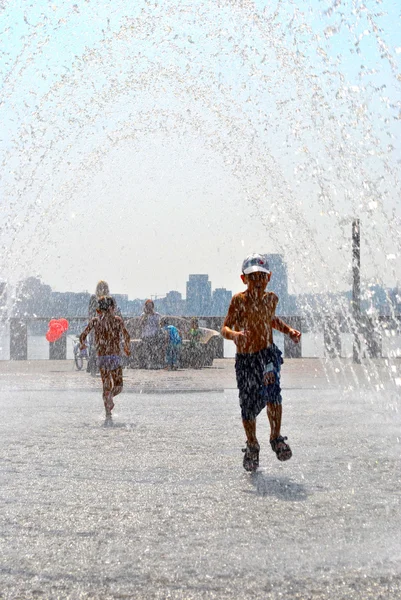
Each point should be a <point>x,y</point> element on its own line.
<point>143,141</point>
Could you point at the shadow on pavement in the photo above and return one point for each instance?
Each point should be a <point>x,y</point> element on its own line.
<point>110,424</point>
<point>282,488</point>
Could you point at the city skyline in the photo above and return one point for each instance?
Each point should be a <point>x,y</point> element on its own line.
<point>200,298</point>
<point>36,298</point>
<point>233,128</point>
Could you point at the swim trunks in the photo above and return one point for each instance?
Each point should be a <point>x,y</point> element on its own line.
<point>110,362</point>
<point>256,386</point>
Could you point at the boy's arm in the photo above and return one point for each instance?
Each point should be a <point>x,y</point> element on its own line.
<point>227,331</point>
<point>279,324</point>
<point>127,339</point>
<point>85,332</point>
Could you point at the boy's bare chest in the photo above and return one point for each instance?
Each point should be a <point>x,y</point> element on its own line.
<point>257,313</point>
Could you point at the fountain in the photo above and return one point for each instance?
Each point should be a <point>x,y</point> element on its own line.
<point>281,119</point>
<point>295,114</point>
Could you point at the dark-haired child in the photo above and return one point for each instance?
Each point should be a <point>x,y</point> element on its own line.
<point>108,329</point>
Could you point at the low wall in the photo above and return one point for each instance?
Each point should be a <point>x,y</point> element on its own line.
<point>370,332</point>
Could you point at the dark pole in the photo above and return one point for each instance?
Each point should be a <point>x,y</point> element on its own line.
<point>356,288</point>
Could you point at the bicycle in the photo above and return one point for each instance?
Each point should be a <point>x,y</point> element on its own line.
<point>79,355</point>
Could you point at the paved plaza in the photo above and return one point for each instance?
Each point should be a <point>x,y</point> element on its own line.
<point>158,504</point>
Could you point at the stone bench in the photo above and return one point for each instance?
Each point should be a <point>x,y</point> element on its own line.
<point>193,356</point>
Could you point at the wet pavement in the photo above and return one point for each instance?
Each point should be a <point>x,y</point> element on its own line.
<point>157,505</point>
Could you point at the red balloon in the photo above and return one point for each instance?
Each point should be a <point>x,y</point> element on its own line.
<point>58,330</point>
<point>56,322</point>
<point>63,323</point>
<point>55,331</point>
<point>51,336</point>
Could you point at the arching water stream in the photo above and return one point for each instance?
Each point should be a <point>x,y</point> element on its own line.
<point>138,137</point>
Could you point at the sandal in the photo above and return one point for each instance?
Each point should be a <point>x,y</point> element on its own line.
<point>251,457</point>
<point>282,450</point>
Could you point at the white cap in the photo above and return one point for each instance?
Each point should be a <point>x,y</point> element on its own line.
<point>254,263</point>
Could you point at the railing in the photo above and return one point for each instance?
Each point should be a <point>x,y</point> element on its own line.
<point>19,336</point>
<point>370,331</point>
<point>58,350</point>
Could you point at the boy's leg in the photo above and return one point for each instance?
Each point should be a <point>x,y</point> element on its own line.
<point>277,441</point>
<point>251,451</point>
<point>107,390</point>
<point>117,381</point>
<point>250,431</point>
<point>251,403</point>
<point>274,413</point>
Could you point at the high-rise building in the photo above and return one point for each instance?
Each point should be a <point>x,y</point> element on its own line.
<point>175,305</point>
<point>220,302</point>
<point>67,304</point>
<point>199,295</point>
<point>279,281</point>
<point>76,303</point>
<point>33,298</point>
<point>171,304</point>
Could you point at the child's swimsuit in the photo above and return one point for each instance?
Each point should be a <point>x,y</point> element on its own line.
<point>251,371</point>
<point>110,362</point>
<point>174,345</point>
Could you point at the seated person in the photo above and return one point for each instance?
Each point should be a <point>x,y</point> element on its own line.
<point>195,333</point>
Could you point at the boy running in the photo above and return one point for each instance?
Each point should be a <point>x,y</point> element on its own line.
<point>249,323</point>
<point>108,329</point>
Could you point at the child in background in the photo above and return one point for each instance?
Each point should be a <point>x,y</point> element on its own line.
<point>249,323</point>
<point>152,339</point>
<point>195,351</point>
<point>108,329</point>
<point>173,346</point>
<point>195,333</point>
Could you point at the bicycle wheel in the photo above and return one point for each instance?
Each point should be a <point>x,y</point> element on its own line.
<point>79,361</point>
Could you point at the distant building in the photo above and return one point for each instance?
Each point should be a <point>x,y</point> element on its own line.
<point>199,295</point>
<point>279,281</point>
<point>175,305</point>
<point>221,299</point>
<point>32,298</point>
<point>77,302</point>
<point>171,304</point>
<point>68,304</point>
<point>135,307</point>
<point>122,302</point>
<point>395,298</point>
<point>292,305</point>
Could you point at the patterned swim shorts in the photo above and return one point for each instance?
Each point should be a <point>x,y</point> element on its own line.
<point>258,380</point>
<point>110,362</point>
